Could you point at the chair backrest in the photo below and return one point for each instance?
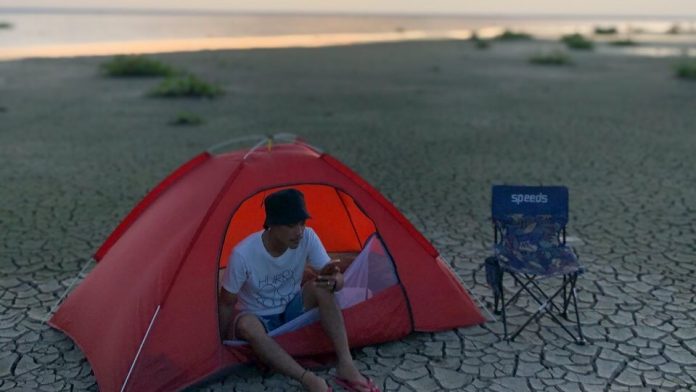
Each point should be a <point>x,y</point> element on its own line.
<point>529,201</point>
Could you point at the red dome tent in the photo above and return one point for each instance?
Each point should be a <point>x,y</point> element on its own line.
<point>146,316</point>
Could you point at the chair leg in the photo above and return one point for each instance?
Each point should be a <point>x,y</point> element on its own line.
<point>502,300</point>
<point>546,303</point>
<point>564,313</point>
<point>581,338</point>
<point>525,286</point>
<point>545,306</point>
<point>496,300</point>
<point>494,279</point>
<point>543,294</point>
<point>518,282</point>
<point>517,294</point>
<point>529,320</point>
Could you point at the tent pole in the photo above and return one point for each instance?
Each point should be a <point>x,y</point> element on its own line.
<point>284,136</point>
<point>289,137</point>
<point>227,143</point>
<point>256,146</point>
<point>142,343</point>
<point>50,313</point>
<point>467,289</point>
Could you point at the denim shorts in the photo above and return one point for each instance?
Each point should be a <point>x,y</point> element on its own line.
<point>293,310</point>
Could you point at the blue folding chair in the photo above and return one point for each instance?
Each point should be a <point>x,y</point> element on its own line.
<point>530,245</point>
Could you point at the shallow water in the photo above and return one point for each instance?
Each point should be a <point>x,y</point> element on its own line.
<point>53,33</point>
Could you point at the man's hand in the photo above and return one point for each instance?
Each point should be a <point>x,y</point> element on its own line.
<point>330,277</point>
<point>226,304</point>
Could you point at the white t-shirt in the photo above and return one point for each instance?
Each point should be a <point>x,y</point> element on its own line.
<point>265,284</point>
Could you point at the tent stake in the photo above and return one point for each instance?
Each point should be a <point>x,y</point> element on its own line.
<point>142,343</point>
<point>50,313</point>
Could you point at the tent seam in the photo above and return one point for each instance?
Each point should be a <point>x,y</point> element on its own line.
<point>213,205</point>
<point>350,218</point>
<point>398,277</point>
<point>152,196</point>
<point>205,219</point>
<point>383,201</point>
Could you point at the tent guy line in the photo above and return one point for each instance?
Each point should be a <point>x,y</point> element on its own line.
<point>65,293</point>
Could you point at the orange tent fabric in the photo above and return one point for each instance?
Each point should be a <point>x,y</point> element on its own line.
<point>146,316</point>
<point>339,223</point>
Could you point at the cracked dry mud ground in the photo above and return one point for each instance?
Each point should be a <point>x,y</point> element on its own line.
<point>432,126</point>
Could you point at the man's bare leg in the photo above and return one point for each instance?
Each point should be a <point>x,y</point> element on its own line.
<point>250,329</point>
<point>332,323</point>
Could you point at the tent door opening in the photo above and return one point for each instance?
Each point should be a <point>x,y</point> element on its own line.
<point>346,233</point>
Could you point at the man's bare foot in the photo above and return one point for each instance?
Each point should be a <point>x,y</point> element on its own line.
<point>351,374</point>
<point>314,383</point>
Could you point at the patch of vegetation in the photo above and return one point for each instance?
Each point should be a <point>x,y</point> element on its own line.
<point>577,41</point>
<point>610,30</point>
<point>479,42</point>
<point>686,70</point>
<point>509,35</point>
<point>552,58</point>
<point>624,42</point>
<point>674,29</point>
<point>136,66</point>
<point>189,86</point>
<point>187,119</point>
<point>482,44</point>
<point>5,25</point>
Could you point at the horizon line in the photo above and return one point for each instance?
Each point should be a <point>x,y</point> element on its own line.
<point>231,12</point>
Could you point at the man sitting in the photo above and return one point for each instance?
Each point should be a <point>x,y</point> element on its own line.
<point>263,281</point>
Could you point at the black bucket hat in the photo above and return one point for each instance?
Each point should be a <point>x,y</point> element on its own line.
<point>285,207</point>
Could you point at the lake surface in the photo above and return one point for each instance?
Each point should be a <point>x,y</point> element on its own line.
<point>57,33</point>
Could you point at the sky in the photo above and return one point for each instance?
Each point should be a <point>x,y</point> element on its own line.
<point>584,7</point>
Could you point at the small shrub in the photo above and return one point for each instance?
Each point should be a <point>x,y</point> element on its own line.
<point>5,25</point>
<point>623,42</point>
<point>187,119</point>
<point>577,41</point>
<point>185,86</point>
<point>482,44</point>
<point>686,70</point>
<point>136,66</point>
<point>552,58</point>
<point>611,30</point>
<point>674,29</point>
<point>509,35</point>
<point>478,42</point>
